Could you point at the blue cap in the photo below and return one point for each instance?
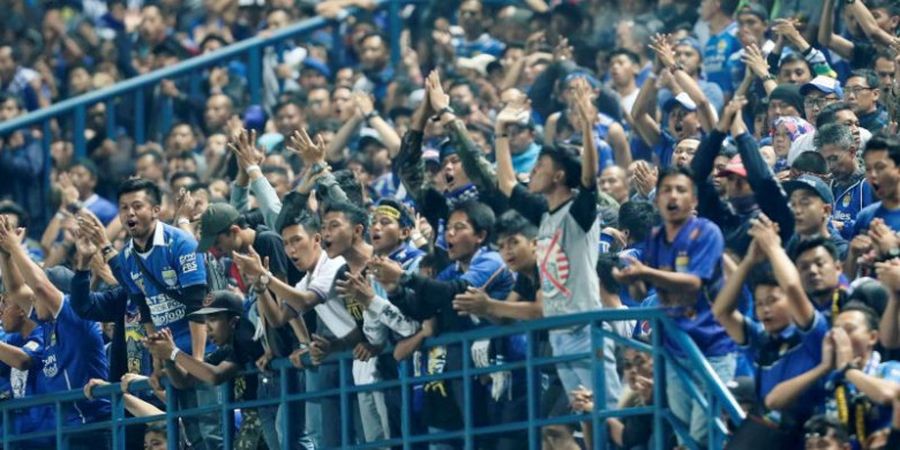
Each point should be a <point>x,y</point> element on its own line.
<point>682,100</point>
<point>826,85</point>
<point>255,118</point>
<point>693,43</point>
<point>593,81</point>
<point>317,65</point>
<point>810,183</point>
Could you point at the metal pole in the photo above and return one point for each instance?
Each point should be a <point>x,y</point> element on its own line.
<point>532,387</point>
<point>467,393</point>
<point>78,132</point>
<point>658,385</point>
<point>395,27</point>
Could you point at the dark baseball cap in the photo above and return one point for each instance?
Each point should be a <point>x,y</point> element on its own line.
<point>221,301</point>
<point>810,183</point>
<point>216,219</point>
<point>755,9</point>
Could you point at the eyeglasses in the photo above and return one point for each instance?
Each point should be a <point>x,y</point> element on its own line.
<point>819,102</point>
<point>856,90</point>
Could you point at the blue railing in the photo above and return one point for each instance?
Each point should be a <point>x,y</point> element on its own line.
<point>68,118</point>
<point>700,380</point>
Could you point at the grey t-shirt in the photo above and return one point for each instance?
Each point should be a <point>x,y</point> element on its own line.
<point>568,245</point>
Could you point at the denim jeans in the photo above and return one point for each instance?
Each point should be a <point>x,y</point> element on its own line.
<point>203,432</point>
<point>327,428</point>
<point>686,409</point>
<point>578,373</point>
<point>374,415</point>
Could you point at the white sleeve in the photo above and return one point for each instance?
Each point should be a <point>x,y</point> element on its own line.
<point>390,316</point>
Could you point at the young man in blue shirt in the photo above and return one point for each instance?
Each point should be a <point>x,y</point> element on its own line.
<point>73,350</point>
<point>21,349</point>
<point>882,157</point>
<point>159,266</point>
<point>786,339</point>
<point>166,277</point>
<point>722,42</point>
<point>683,260</point>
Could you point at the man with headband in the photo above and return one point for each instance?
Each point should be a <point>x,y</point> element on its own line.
<point>392,230</point>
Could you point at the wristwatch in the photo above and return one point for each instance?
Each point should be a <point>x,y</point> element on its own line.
<point>265,279</point>
<point>445,110</point>
<point>107,249</point>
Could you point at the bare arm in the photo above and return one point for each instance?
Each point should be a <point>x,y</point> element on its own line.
<point>725,306</point>
<point>787,392</point>
<point>140,408</point>
<point>828,38</point>
<point>868,24</point>
<point>335,150</point>
<point>879,390</point>
<point>14,357</point>
<point>618,140</point>
<point>643,114</point>
<point>47,298</point>
<point>889,328</point>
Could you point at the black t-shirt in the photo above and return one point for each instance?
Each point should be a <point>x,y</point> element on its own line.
<point>243,350</point>
<point>269,243</point>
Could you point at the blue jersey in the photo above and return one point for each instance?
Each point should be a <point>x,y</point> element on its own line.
<point>73,354</point>
<point>665,148</point>
<point>174,261</point>
<point>23,383</point>
<point>102,208</point>
<point>849,202</point>
<point>486,271</point>
<point>780,357</point>
<point>696,250</point>
<point>891,217</point>
<point>715,56</point>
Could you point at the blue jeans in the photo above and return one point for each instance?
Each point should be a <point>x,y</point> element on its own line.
<point>270,416</point>
<point>683,406</point>
<point>578,373</point>
<point>203,432</point>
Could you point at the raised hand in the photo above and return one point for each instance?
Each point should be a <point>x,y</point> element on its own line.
<point>185,204</point>
<point>882,236</point>
<point>584,102</point>
<point>788,29</point>
<point>889,273</point>
<point>436,95</point>
<point>563,50</point>
<point>515,112</point>
<point>473,301</point>
<point>754,59</point>
<point>660,44</point>
<point>93,230</point>
<point>310,152</point>
<point>244,149</point>
<point>364,104</point>
<point>386,271</point>
<point>10,238</point>
<point>730,111</point>
<point>250,265</point>
<point>355,286</point>
<point>645,177</point>
<point>765,233</point>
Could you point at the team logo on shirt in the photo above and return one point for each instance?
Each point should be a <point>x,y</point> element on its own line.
<point>846,201</point>
<point>554,266</point>
<point>170,277</point>
<point>682,261</point>
<point>50,367</point>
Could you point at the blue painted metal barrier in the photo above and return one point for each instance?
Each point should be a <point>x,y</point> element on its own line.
<point>699,379</point>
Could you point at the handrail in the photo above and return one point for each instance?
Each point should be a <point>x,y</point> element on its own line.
<point>663,327</point>
<point>182,68</point>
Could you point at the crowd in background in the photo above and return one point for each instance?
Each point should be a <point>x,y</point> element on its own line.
<point>736,163</point>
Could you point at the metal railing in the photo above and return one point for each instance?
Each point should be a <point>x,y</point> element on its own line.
<point>67,119</point>
<point>699,379</point>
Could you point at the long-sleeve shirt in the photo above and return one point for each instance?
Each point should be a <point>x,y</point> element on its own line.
<point>735,224</point>
<point>103,306</point>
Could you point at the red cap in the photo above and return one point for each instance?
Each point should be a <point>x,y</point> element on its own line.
<point>735,166</point>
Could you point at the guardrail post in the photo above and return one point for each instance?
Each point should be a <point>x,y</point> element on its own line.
<point>395,27</point>
<point>467,393</point>
<point>78,132</point>
<point>60,441</point>
<point>225,393</point>
<point>598,373</point>
<point>139,125</point>
<point>111,119</point>
<point>254,74</point>
<point>533,388</point>
<point>6,428</point>
<point>345,403</point>
<point>405,403</point>
<point>171,417</point>
<point>116,417</point>
<point>659,379</point>
<point>287,437</point>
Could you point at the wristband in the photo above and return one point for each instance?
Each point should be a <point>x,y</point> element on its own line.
<point>107,249</point>
<point>175,352</point>
<point>370,116</point>
<point>182,221</point>
<point>444,110</point>
<point>251,168</point>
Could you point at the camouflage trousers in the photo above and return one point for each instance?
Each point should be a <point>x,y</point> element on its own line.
<point>250,435</point>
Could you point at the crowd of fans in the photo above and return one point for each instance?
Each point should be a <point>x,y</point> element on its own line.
<point>735,163</point>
